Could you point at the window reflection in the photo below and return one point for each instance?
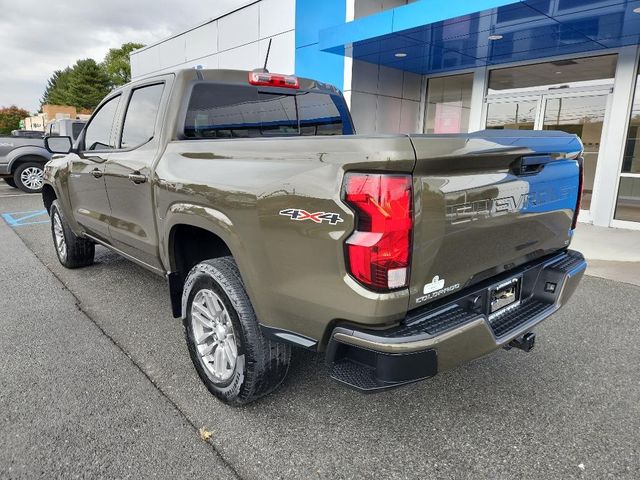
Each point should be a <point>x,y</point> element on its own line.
<point>578,72</point>
<point>448,104</point>
<point>514,115</point>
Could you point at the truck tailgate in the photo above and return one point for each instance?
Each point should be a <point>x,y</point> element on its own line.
<point>479,211</point>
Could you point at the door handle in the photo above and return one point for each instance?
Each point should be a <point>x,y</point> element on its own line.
<point>97,173</point>
<point>137,178</point>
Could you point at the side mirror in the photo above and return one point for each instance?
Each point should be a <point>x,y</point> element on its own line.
<point>58,144</point>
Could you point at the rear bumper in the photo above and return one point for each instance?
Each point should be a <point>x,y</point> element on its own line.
<point>455,330</point>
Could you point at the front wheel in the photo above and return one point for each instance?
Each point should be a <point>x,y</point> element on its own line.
<point>72,251</point>
<point>232,357</point>
<point>28,177</point>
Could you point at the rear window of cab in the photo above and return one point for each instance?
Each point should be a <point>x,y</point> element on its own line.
<point>245,111</point>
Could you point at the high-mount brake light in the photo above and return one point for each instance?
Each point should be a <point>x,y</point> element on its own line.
<point>379,250</point>
<point>273,80</point>
<point>576,212</point>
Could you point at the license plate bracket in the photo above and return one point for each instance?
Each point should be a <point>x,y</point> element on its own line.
<point>504,294</point>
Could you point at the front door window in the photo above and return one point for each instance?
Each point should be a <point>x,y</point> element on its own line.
<point>99,133</point>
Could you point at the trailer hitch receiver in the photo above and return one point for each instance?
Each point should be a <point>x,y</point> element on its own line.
<point>525,343</point>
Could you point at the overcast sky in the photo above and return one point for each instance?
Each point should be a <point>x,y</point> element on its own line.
<point>38,37</point>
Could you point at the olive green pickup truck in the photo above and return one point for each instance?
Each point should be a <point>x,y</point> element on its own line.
<point>276,226</point>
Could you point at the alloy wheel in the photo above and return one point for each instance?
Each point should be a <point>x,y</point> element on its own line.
<point>58,233</point>
<point>214,336</point>
<point>32,178</point>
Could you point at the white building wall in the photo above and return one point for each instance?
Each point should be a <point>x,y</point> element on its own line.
<point>236,41</point>
<point>370,7</point>
<point>384,100</point>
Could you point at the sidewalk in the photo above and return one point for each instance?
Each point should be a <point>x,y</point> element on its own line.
<point>612,253</point>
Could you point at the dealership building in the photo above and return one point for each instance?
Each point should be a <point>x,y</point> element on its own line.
<point>433,66</point>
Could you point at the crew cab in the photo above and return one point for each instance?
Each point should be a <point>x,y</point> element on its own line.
<point>276,226</point>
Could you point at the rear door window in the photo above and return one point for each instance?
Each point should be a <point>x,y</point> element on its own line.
<point>140,118</point>
<point>239,111</point>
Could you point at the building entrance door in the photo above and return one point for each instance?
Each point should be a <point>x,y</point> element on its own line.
<point>579,112</point>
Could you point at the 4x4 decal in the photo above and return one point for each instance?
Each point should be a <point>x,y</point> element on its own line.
<point>317,217</point>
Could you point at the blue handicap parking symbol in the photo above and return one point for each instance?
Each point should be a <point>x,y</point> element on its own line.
<point>19,219</point>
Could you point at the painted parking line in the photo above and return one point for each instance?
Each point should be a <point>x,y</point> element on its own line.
<point>19,219</point>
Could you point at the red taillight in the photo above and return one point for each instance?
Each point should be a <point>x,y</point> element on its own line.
<point>576,212</point>
<point>379,250</point>
<point>273,80</point>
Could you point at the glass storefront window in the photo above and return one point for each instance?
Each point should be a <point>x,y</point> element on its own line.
<point>578,72</point>
<point>631,159</point>
<point>584,117</point>
<point>569,95</point>
<point>628,203</point>
<point>448,104</point>
<point>517,115</point>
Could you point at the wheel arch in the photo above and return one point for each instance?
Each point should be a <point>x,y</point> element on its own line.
<point>192,234</point>
<point>189,244</point>
<point>48,196</point>
<point>27,154</point>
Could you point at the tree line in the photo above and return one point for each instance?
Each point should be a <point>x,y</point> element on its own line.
<point>82,85</point>
<point>10,118</point>
<point>87,82</point>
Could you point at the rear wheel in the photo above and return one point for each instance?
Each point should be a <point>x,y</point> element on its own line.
<point>28,177</point>
<point>72,251</point>
<point>232,357</point>
<point>9,181</point>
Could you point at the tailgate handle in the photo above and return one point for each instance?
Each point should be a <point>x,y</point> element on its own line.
<point>532,164</point>
<point>536,160</point>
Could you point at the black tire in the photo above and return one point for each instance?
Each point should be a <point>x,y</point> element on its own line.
<point>262,364</point>
<point>78,251</point>
<point>19,180</point>
<point>9,181</point>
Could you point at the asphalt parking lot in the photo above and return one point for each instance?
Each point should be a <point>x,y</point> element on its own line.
<point>95,380</point>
